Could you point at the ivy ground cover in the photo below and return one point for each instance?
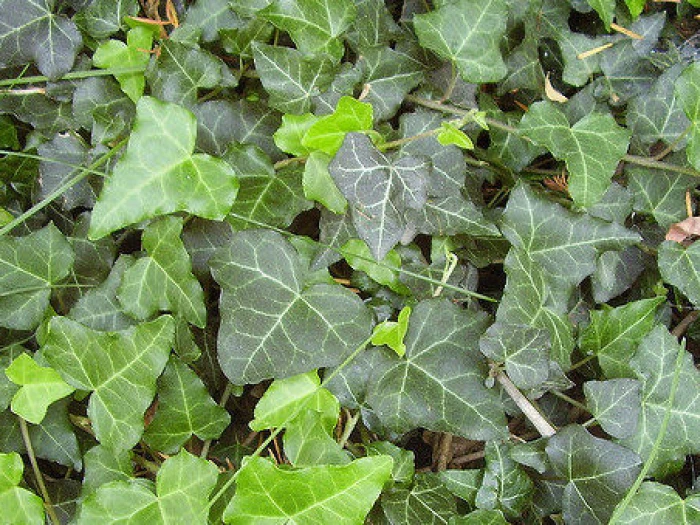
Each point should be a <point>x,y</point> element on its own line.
<point>349,261</point>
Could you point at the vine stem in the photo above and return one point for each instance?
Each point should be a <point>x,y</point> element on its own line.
<point>350,425</point>
<point>630,159</point>
<point>37,473</point>
<point>73,75</point>
<point>532,413</point>
<point>62,189</point>
<point>274,433</point>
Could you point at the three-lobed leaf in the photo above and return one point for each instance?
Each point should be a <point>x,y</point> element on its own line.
<point>19,505</point>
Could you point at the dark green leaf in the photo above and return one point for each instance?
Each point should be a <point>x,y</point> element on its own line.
<point>70,153</point>
<point>615,404</point>
<point>273,324</point>
<point>341,494</point>
<point>29,267</point>
<point>463,483</point>
<point>159,174</point>
<point>184,409</point>
<point>427,502</point>
<point>103,109</point>
<point>480,517</point>
<point>688,94</point>
<point>659,193</point>
<point>290,78</point>
<point>29,30</point>
<point>202,238</point>
<point>439,384</point>
<point>380,191</point>
<point>680,266</point>
<point>103,18</point>
<point>404,468</point>
<point>598,473</point>
<point>120,368</point>
<point>467,34</point>
<point>239,41</point>
<point>212,16</point>
<point>163,281</point>
<point>103,465</point>
<point>657,503</point>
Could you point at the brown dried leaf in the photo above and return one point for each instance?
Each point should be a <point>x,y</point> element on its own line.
<point>680,231</point>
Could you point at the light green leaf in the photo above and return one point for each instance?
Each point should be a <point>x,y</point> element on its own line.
<point>598,473</point>
<point>283,398</point>
<point>163,281</point>
<point>181,70</point>
<point>505,485</point>
<point>266,196</point>
<point>655,366</point>
<point>605,9</point>
<point>40,386</point>
<point>380,191</point>
<point>656,503</point>
<point>309,440</point>
<point>385,272</point>
<point>439,384</point>
<point>120,368</point>
<point>338,494</point>
<point>392,333</point>
<point>158,174</point>
<point>592,147</point>
<point>427,502</point>
<point>185,408</point>
<point>29,30</point>
<point>468,34</point>
<point>451,134</point>
<point>680,266</point>
<point>115,54</point>
<point>563,243</point>
<point>523,349</point>
<point>319,185</point>
<point>688,94</point>
<point>614,334</point>
<point>660,193</point>
<point>328,132</point>
<point>314,25</point>
<point>290,78</point>
<point>289,136</point>
<point>635,6</point>
<point>29,267</point>
<point>18,505</point>
<point>615,404</point>
<point>180,495</point>
<point>273,324</point>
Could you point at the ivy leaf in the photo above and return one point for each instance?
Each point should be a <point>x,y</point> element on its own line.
<point>180,494</point>
<point>101,107</point>
<point>679,266</point>
<point>505,485</point>
<point>314,25</point>
<point>158,174</point>
<point>435,385</point>
<point>688,94</point>
<point>181,70</point>
<point>273,324</point>
<point>451,134</point>
<point>318,183</point>
<point>546,231</point>
<point>605,9</point>
<point>289,136</point>
<point>404,468</point>
<point>327,133</point>
<point>380,191</point>
<point>72,151</point>
<point>481,517</point>
<point>654,365</point>
<point>239,41</point>
<point>266,196</point>
<point>103,465</point>
<point>463,483</point>
<point>428,501</point>
<point>385,272</point>
<point>133,54</point>
<point>19,505</point>
<point>40,386</point>
<point>598,473</point>
<point>99,308</point>
<point>120,368</point>
<point>163,281</point>
<point>392,333</point>
<point>29,30</point>
<point>290,78</point>
<point>592,147</point>
<point>341,494</point>
<point>523,349</point>
<point>373,27</point>
<point>185,408</point>
<point>614,334</point>
<point>29,267</point>
<point>660,194</point>
<point>102,18</point>
<point>285,397</point>
<point>212,16</point>
<point>615,404</point>
<point>657,503</point>
<point>467,34</point>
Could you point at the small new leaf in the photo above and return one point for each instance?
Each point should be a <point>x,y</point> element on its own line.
<point>392,333</point>
<point>451,134</point>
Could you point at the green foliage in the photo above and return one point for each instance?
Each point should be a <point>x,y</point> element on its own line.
<point>318,261</point>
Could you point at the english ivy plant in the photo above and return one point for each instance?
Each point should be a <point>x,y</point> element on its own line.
<point>349,261</point>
